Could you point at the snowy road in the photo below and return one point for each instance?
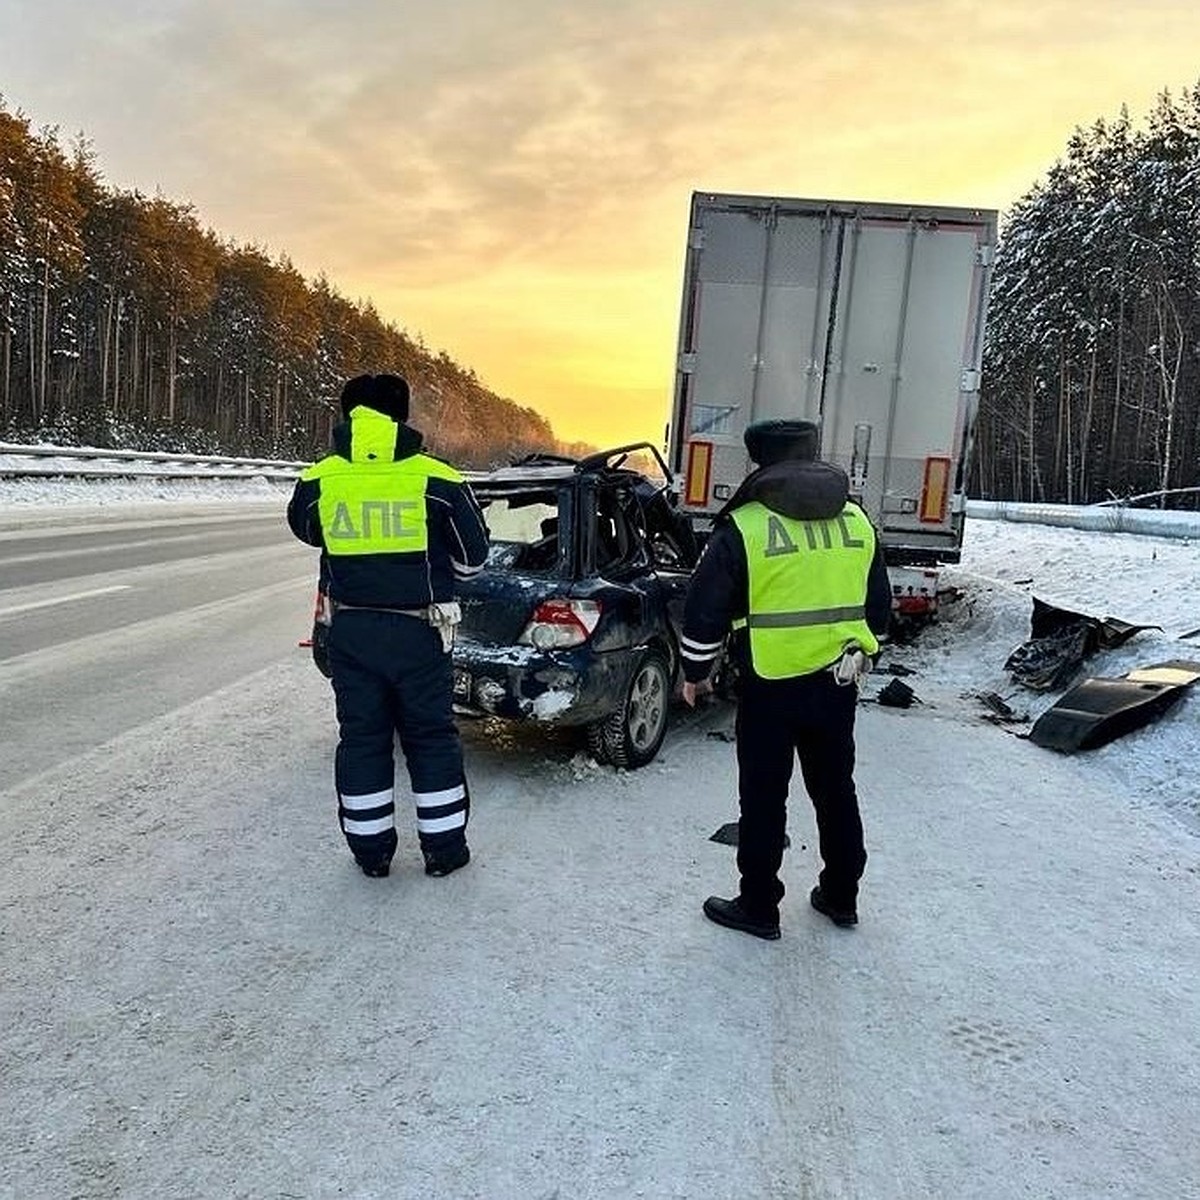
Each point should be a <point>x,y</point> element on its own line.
<point>108,622</point>
<point>202,997</point>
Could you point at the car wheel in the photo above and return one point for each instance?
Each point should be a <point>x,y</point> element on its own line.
<point>595,741</point>
<point>632,736</point>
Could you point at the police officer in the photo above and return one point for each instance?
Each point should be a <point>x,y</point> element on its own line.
<point>396,528</point>
<point>794,568</point>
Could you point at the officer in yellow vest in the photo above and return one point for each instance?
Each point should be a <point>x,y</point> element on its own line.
<point>396,528</point>
<point>793,568</point>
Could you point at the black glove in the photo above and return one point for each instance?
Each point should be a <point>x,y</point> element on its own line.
<point>322,624</point>
<point>320,648</point>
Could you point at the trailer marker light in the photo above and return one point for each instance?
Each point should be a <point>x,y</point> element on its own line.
<point>935,491</point>
<point>699,471</point>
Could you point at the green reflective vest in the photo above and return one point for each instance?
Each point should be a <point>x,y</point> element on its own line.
<point>373,503</point>
<point>808,586</point>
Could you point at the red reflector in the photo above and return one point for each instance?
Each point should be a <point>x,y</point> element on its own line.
<point>912,606</point>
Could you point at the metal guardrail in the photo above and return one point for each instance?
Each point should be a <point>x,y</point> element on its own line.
<point>1092,517</point>
<point>93,462</point>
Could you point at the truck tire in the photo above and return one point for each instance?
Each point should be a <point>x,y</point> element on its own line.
<point>631,736</point>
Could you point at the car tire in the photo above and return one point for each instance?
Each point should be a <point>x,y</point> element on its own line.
<point>631,736</point>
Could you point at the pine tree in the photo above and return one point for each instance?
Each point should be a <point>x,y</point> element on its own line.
<point>1092,362</point>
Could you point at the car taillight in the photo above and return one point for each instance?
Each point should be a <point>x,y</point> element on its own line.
<point>560,622</point>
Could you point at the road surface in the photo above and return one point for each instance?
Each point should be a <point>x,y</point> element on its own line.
<point>109,621</point>
<point>201,996</point>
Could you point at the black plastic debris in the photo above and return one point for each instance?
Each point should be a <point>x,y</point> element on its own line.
<point>1098,711</point>
<point>1046,663</point>
<point>896,695</point>
<point>899,669</point>
<point>720,735</point>
<point>727,835</point>
<point>999,710</point>
<point>1061,640</point>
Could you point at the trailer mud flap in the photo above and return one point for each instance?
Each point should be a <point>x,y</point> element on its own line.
<point>1098,711</point>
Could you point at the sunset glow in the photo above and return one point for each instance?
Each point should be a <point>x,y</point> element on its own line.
<point>511,182</point>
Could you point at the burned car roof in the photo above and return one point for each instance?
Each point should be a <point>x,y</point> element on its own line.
<point>555,469</point>
<point>522,475</point>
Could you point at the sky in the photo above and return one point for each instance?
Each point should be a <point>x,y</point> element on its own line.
<point>202,996</point>
<point>510,182</point>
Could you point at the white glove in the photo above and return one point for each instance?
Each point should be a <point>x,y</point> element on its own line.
<point>853,667</point>
<point>444,616</point>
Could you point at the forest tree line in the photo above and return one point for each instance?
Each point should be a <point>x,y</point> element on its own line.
<point>125,323</point>
<point>1091,379</point>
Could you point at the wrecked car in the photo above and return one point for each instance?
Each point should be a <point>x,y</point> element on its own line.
<point>575,618</point>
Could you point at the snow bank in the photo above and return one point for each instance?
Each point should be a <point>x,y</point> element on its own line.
<point>1096,518</point>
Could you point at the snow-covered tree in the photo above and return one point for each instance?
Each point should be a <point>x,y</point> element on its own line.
<point>124,322</point>
<point>1092,363</point>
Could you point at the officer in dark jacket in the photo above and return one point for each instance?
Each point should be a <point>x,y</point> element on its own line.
<point>396,528</point>
<point>794,569</point>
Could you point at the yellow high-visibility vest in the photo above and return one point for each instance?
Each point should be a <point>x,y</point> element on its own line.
<point>372,503</point>
<point>808,587</point>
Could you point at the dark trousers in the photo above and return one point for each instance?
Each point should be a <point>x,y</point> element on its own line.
<point>777,720</point>
<point>392,676</point>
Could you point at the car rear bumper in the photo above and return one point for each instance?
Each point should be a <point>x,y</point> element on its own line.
<point>564,687</point>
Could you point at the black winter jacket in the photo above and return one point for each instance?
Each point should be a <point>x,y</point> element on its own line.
<point>457,539</point>
<point>719,592</point>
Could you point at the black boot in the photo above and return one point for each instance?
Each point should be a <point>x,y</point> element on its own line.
<point>443,861</point>
<point>732,915</point>
<point>844,918</point>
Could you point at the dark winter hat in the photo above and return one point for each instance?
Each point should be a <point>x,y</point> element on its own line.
<point>387,394</point>
<point>770,442</point>
<point>391,396</point>
<point>359,390</point>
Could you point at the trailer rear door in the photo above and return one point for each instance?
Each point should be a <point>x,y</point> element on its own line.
<point>866,318</point>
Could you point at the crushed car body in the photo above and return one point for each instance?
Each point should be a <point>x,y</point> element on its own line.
<point>574,619</point>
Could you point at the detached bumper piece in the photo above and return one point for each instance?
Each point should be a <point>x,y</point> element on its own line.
<point>1098,711</point>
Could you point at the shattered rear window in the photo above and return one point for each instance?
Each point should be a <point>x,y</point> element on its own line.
<point>524,532</point>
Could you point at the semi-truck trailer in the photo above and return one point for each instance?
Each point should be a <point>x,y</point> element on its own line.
<point>867,318</point>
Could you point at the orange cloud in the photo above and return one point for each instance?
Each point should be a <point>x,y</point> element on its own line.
<point>512,181</point>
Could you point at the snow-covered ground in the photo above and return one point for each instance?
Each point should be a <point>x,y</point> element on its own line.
<point>1138,579</point>
<point>200,996</point>
<point>26,502</point>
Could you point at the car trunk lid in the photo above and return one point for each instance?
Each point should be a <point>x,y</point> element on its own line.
<point>498,604</point>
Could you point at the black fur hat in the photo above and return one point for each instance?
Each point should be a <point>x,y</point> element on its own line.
<point>387,394</point>
<point>770,442</point>
<point>391,396</point>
